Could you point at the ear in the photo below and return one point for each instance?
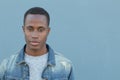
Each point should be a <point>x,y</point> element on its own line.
<point>49,29</point>
<point>23,28</point>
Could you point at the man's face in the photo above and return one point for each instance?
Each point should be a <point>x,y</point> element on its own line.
<point>36,31</point>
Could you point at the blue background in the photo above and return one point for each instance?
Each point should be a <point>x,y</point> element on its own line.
<point>85,31</point>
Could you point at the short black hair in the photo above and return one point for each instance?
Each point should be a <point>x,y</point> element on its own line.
<point>37,10</point>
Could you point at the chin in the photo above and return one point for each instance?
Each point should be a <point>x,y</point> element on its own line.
<point>35,47</point>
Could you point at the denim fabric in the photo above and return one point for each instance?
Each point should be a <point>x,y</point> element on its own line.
<point>15,67</point>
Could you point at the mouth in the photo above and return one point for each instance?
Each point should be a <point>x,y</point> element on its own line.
<point>34,43</point>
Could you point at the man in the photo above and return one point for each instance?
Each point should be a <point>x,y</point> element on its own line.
<point>36,60</point>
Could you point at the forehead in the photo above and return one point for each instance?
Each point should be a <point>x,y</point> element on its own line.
<point>35,18</point>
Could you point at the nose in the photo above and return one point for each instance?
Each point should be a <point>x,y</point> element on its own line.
<point>34,34</point>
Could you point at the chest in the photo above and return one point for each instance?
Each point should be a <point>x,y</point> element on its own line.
<point>22,72</point>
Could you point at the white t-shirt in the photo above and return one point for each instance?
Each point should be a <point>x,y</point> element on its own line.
<point>36,65</point>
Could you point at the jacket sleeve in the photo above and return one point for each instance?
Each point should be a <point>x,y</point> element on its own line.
<point>3,66</point>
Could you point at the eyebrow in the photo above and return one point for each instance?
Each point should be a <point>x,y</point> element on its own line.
<point>38,27</point>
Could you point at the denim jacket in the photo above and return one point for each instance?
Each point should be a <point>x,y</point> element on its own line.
<point>15,67</point>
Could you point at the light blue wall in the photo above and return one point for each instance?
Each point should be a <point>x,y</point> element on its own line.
<point>85,31</point>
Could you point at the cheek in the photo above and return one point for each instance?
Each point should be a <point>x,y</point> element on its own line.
<point>27,35</point>
<point>43,37</point>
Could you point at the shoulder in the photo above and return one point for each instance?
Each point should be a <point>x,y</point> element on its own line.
<point>63,63</point>
<point>61,56</point>
<point>5,64</point>
<point>8,60</point>
<point>62,60</point>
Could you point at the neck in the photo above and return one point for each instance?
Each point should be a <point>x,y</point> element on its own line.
<point>34,52</point>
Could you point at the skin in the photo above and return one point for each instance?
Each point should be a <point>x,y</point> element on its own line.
<point>36,31</point>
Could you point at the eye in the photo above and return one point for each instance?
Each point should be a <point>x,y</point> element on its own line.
<point>41,29</point>
<point>29,28</point>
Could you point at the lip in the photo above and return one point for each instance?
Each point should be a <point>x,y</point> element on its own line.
<point>34,43</point>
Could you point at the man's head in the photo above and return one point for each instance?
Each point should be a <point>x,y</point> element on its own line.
<point>37,10</point>
<point>36,28</point>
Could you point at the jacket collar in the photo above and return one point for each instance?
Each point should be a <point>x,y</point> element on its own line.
<point>51,56</point>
